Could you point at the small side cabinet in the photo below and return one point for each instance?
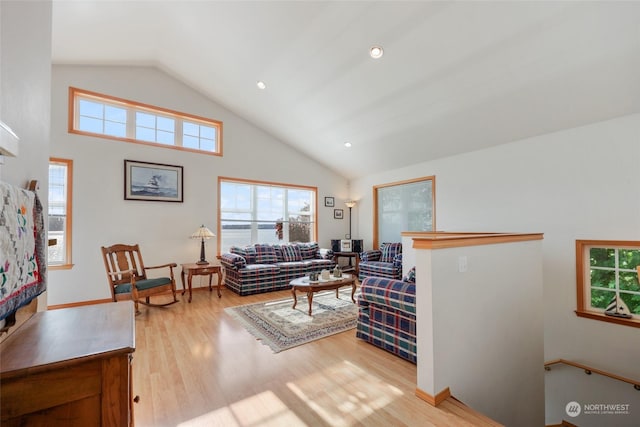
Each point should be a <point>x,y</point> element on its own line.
<point>70,367</point>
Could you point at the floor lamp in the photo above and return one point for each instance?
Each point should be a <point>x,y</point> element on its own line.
<point>350,204</point>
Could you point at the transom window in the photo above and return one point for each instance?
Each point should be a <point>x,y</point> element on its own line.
<point>114,118</point>
<point>607,280</point>
<point>263,212</point>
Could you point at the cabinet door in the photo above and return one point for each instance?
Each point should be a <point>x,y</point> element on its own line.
<point>116,391</point>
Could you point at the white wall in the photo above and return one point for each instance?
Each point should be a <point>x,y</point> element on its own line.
<point>25,88</point>
<point>497,373</point>
<point>581,183</point>
<point>25,93</point>
<point>102,217</point>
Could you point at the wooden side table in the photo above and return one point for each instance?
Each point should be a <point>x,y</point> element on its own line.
<point>350,255</point>
<point>194,269</point>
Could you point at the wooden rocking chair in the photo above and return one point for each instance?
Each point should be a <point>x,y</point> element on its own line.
<point>128,280</point>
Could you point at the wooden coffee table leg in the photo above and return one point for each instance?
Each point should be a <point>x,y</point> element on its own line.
<point>353,291</point>
<point>310,298</point>
<point>295,299</point>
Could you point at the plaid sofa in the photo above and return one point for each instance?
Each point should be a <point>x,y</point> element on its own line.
<point>385,262</point>
<point>387,315</point>
<point>264,267</point>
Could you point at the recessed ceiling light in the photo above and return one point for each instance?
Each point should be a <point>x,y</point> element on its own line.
<point>376,52</point>
<point>347,144</point>
<point>261,84</point>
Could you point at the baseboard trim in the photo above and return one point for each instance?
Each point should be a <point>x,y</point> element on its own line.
<point>78,304</point>
<point>434,400</point>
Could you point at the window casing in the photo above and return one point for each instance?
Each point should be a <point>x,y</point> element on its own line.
<point>108,117</point>
<point>264,212</point>
<point>606,270</point>
<point>403,206</point>
<point>59,214</point>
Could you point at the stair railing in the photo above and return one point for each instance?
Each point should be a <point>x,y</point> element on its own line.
<point>589,370</point>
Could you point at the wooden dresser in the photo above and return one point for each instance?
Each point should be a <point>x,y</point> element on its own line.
<point>69,367</point>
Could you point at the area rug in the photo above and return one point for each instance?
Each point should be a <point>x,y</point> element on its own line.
<point>281,327</point>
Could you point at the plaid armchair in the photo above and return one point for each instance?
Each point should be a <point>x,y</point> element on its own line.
<point>385,262</point>
<point>387,315</point>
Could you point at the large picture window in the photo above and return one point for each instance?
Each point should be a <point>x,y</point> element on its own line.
<point>607,280</point>
<point>403,206</point>
<point>60,191</point>
<point>105,116</point>
<point>264,212</point>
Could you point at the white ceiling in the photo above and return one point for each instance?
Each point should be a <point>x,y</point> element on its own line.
<point>455,76</point>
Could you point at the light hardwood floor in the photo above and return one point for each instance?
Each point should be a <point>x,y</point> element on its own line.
<point>195,366</point>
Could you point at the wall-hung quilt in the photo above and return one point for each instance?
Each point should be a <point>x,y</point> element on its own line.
<point>22,249</point>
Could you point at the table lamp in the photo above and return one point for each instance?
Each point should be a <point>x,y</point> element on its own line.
<point>202,233</point>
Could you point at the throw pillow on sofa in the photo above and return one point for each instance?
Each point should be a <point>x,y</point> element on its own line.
<point>309,251</point>
<point>265,254</point>
<point>291,253</point>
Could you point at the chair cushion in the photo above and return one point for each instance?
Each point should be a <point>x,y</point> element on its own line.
<point>265,254</point>
<point>291,253</point>
<point>389,251</point>
<point>142,285</point>
<point>380,269</point>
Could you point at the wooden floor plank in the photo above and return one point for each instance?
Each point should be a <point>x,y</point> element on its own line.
<point>196,366</point>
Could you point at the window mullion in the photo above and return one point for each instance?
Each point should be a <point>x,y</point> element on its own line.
<point>254,214</point>
<point>178,132</point>
<point>286,226</point>
<point>131,123</point>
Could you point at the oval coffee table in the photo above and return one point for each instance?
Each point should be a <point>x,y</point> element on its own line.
<point>303,284</point>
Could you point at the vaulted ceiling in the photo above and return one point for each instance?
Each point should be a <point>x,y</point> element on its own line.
<point>454,77</point>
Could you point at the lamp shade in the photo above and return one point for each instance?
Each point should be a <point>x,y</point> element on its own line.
<point>203,233</point>
<point>350,203</point>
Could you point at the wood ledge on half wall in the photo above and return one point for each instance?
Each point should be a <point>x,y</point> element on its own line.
<point>448,239</point>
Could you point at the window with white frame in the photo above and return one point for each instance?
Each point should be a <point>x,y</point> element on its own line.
<point>263,212</point>
<point>114,118</point>
<point>607,280</point>
<point>59,215</point>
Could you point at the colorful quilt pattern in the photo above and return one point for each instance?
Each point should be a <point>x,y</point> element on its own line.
<point>22,246</point>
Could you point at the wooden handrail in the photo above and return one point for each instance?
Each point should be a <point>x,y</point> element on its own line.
<point>588,370</point>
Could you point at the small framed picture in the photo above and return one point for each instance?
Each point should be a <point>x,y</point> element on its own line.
<point>152,181</point>
<point>338,213</point>
<point>329,202</point>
